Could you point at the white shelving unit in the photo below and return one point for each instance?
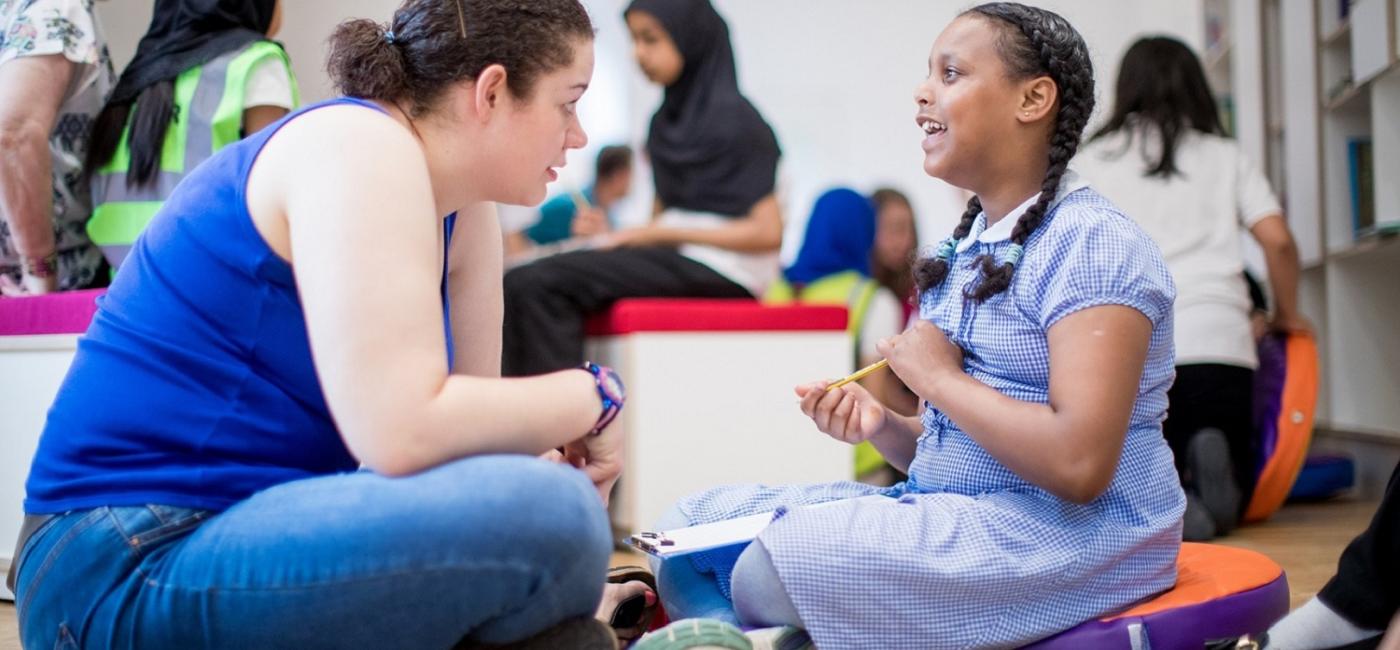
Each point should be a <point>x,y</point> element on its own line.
<point>1328,81</point>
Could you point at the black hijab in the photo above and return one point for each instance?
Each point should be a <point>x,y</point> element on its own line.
<point>710,149</point>
<point>189,33</point>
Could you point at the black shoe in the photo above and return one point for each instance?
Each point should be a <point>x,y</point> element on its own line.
<point>586,633</point>
<point>1197,525</point>
<point>1212,475</point>
<point>1246,642</point>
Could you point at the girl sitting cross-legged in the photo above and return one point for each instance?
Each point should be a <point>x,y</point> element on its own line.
<point>1041,493</point>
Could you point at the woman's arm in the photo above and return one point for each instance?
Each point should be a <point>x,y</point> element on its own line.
<point>1281,259</point>
<point>760,231</point>
<point>356,218</point>
<point>474,283</point>
<point>31,94</point>
<point>1069,447</point>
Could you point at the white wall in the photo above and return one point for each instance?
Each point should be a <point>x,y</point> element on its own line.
<point>834,77</point>
<point>124,22</point>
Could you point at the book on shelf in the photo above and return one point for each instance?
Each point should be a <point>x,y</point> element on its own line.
<point>1225,103</point>
<point>1361,174</point>
<point>1384,230</point>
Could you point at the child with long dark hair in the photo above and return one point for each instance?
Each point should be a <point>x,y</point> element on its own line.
<point>1041,493</point>
<point>716,225</point>
<point>1164,158</point>
<point>205,75</point>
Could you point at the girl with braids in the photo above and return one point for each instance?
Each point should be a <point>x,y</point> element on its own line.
<point>1040,493</point>
<point>286,426</point>
<point>1165,158</point>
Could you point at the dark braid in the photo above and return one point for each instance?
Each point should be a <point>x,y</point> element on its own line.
<point>1033,42</point>
<point>929,272</point>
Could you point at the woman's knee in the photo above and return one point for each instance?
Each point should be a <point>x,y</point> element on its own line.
<point>555,496</point>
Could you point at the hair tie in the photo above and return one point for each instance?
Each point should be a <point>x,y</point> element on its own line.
<point>1013,254</point>
<point>389,36</point>
<point>947,249</point>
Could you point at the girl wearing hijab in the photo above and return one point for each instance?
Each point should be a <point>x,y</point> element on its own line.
<point>716,225</point>
<point>833,267</point>
<point>204,76</point>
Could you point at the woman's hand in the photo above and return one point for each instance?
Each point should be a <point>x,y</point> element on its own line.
<point>589,222</point>
<point>922,357</point>
<point>600,457</point>
<point>29,285</point>
<point>849,413</point>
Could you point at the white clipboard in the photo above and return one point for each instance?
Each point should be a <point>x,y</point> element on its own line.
<point>721,534</point>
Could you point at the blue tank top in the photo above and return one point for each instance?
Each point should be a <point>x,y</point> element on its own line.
<point>194,385</point>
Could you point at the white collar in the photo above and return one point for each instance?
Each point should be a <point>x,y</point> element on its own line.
<point>1000,231</point>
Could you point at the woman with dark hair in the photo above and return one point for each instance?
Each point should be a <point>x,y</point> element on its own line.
<point>1040,490</point>
<point>286,427</point>
<point>716,226</point>
<point>204,76</point>
<point>1166,160</point>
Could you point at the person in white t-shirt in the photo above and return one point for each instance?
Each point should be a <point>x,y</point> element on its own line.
<point>1165,159</point>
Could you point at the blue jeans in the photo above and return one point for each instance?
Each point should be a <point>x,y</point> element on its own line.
<point>491,549</point>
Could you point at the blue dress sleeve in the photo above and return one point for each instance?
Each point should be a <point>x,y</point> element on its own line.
<point>1094,256</point>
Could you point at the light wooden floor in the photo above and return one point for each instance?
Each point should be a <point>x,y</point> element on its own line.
<point>1304,539</point>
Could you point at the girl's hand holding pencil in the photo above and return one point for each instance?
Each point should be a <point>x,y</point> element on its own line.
<point>922,357</point>
<point>846,412</point>
<point>860,374</point>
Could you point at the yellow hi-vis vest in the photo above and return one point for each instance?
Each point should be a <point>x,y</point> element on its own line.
<point>853,291</point>
<point>208,117</point>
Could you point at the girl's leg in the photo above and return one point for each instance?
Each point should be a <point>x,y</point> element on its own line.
<point>1210,429</point>
<point>760,599</point>
<point>684,591</point>
<point>493,549</point>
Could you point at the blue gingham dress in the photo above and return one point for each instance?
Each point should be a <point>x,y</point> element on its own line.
<point>966,553</point>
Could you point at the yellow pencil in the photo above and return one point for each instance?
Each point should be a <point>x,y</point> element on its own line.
<point>580,202</point>
<point>860,374</point>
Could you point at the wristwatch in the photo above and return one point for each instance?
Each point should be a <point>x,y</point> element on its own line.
<point>610,390</point>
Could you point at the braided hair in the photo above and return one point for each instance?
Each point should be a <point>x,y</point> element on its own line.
<point>1032,42</point>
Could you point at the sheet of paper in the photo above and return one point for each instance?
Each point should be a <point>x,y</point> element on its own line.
<point>708,537</point>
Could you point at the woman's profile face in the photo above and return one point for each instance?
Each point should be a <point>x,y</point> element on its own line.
<point>656,53</point>
<point>541,129</point>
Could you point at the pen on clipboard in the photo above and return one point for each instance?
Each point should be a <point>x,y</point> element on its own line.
<point>860,374</point>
